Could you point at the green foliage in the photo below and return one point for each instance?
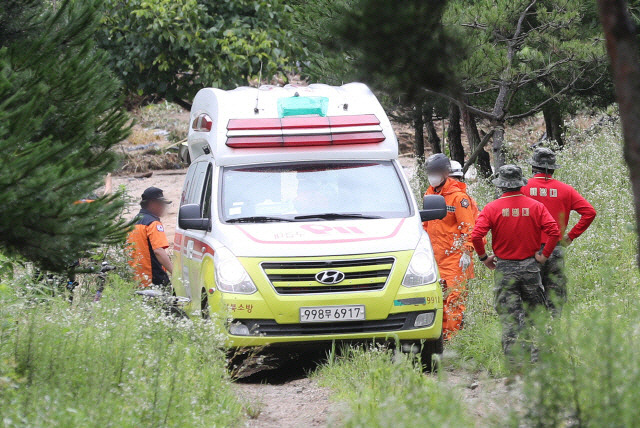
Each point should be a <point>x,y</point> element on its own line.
<point>327,59</point>
<point>172,48</point>
<point>59,117</point>
<point>383,390</point>
<point>588,378</point>
<point>117,363</point>
<point>405,49</point>
<point>588,369</point>
<point>609,242</point>
<point>560,46</point>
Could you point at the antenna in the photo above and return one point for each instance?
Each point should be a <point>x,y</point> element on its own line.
<point>256,110</point>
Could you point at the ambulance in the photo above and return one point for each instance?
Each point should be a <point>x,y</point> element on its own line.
<point>297,222</point>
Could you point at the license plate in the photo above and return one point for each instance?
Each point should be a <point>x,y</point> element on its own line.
<point>332,313</point>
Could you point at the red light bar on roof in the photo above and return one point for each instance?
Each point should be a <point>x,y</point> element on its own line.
<point>303,122</point>
<point>304,131</point>
<point>306,140</point>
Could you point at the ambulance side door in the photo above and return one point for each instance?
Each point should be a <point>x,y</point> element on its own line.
<point>192,196</point>
<point>200,236</point>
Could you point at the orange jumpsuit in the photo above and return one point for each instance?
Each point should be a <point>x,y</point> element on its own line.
<point>450,238</point>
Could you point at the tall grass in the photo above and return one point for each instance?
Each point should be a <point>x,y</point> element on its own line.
<point>117,363</point>
<point>588,371</point>
<point>600,264</point>
<point>588,374</point>
<point>374,388</point>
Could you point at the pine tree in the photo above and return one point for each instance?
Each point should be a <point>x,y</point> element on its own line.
<point>59,118</point>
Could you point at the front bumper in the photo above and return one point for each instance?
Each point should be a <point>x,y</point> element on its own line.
<point>398,326</point>
<point>272,318</point>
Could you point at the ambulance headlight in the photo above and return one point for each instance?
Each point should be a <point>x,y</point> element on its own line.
<point>422,268</point>
<point>231,277</point>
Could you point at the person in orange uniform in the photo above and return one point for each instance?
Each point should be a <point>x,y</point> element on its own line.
<point>457,174</point>
<point>560,199</point>
<point>450,240</point>
<point>148,243</point>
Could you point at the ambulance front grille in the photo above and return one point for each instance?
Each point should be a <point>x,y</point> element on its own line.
<point>290,278</point>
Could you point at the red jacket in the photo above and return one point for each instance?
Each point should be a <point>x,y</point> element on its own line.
<point>515,222</point>
<point>560,199</point>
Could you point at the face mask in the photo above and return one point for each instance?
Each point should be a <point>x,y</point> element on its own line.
<point>435,180</point>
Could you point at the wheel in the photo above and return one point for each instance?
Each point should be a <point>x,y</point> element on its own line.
<point>204,305</point>
<point>429,349</point>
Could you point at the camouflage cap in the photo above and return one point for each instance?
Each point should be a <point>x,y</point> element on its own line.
<point>509,177</point>
<point>544,158</point>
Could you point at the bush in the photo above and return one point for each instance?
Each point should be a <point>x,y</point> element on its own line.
<point>59,118</point>
<point>118,363</point>
<point>172,48</point>
<point>379,389</point>
<point>588,374</point>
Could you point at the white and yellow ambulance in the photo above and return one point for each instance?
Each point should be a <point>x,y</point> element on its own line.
<point>297,220</point>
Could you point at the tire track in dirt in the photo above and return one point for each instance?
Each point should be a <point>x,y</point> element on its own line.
<point>286,397</point>
<point>298,403</point>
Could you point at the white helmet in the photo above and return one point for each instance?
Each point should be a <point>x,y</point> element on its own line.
<point>456,169</point>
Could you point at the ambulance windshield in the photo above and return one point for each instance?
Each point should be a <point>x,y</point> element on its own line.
<point>313,191</point>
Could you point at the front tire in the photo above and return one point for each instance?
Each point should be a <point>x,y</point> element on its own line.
<point>429,354</point>
<point>204,305</point>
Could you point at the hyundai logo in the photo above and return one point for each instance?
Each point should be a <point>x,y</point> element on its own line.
<point>330,277</point>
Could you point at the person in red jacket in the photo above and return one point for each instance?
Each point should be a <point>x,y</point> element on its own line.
<point>450,240</point>
<point>516,224</point>
<point>560,199</point>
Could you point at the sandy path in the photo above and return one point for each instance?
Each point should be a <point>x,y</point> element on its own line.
<point>298,403</point>
<point>170,181</point>
<point>490,401</point>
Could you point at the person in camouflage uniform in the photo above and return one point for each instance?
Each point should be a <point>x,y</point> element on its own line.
<point>560,199</point>
<point>516,224</point>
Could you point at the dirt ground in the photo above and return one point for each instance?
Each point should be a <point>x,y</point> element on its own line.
<point>289,398</point>
<point>170,181</point>
<point>298,403</point>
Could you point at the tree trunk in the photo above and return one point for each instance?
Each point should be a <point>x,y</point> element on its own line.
<point>432,134</point>
<point>499,112</point>
<point>498,141</point>
<point>471,129</point>
<point>622,46</point>
<point>418,127</point>
<point>554,122</point>
<point>454,134</point>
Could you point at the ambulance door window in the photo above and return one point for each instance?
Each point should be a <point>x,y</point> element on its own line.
<point>197,182</point>
<point>206,193</point>
<point>188,182</point>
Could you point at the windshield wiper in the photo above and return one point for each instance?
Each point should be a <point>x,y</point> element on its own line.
<point>335,216</point>
<point>257,219</point>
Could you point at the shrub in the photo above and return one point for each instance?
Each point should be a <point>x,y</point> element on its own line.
<point>588,373</point>
<point>172,48</point>
<point>379,389</point>
<point>59,118</point>
<point>116,363</point>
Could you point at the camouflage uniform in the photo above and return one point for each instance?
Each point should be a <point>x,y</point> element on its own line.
<point>518,291</point>
<point>554,281</point>
<point>517,224</point>
<point>560,199</point>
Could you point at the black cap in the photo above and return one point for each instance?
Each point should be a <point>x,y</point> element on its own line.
<point>154,194</point>
<point>438,163</point>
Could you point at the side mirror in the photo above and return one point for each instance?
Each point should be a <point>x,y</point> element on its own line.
<point>433,208</point>
<point>189,218</point>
